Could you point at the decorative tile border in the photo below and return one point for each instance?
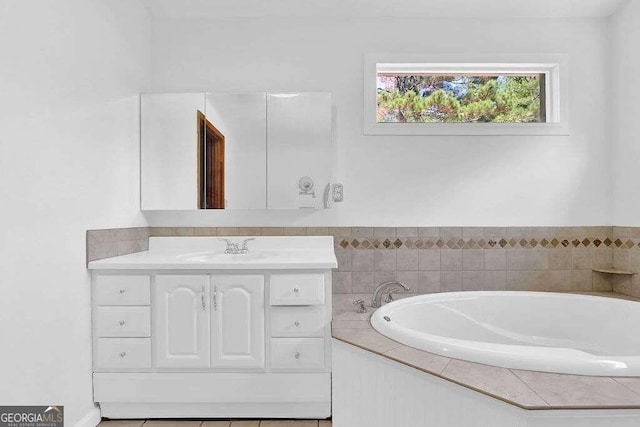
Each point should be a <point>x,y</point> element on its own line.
<point>432,237</point>
<point>501,243</point>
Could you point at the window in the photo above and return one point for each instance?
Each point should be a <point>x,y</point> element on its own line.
<point>460,98</point>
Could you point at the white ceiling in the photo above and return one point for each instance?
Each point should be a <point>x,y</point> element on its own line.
<point>383,8</point>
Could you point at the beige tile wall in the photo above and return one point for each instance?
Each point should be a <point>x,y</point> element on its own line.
<point>439,259</point>
<point>473,258</point>
<point>626,256</point>
<point>116,241</point>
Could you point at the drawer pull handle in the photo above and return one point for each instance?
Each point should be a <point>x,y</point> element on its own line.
<point>296,323</point>
<point>123,354</point>
<point>121,323</point>
<point>122,291</point>
<point>297,355</point>
<point>296,290</point>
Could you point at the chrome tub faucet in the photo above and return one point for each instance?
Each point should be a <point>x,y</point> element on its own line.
<point>388,287</point>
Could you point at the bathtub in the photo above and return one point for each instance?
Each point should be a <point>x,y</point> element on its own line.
<point>539,331</point>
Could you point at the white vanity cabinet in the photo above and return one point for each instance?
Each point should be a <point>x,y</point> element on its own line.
<point>184,330</point>
<point>212,344</point>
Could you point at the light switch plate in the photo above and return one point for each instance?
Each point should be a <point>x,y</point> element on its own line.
<point>337,192</point>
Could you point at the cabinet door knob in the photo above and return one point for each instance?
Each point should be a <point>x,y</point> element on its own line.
<point>121,322</point>
<point>123,354</point>
<point>297,355</point>
<point>122,291</point>
<point>296,290</point>
<point>296,323</point>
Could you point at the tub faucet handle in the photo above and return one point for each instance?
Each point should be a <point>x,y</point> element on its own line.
<point>388,287</point>
<point>389,297</point>
<point>361,308</point>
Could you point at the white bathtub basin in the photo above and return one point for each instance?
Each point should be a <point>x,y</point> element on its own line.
<point>550,332</point>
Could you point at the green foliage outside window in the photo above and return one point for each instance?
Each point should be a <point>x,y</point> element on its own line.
<point>460,99</point>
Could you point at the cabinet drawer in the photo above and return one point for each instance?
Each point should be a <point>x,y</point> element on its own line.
<point>123,321</point>
<point>297,289</point>
<point>125,353</point>
<point>298,321</point>
<point>297,353</point>
<point>122,290</point>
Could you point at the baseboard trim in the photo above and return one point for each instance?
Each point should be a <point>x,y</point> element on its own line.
<point>313,410</point>
<point>91,419</point>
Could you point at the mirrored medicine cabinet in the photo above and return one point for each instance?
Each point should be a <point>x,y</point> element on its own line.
<point>251,150</point>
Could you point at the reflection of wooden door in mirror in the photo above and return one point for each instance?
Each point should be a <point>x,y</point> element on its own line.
<point>210,165</point>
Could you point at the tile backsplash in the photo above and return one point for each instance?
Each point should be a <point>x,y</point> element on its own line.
<point>441,259</point>
<point>626,256</point>
<point>116,241</point>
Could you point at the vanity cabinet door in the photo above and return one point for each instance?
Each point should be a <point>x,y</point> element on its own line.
<point>181,330</point>
<point>238,321</point>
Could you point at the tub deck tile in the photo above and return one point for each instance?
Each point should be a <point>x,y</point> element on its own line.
<point>419,359</point>
<point>631,383</point>
<point>495,381</point>
<point>576,391</point>
<point>524,389</point>
<point>366,338</point>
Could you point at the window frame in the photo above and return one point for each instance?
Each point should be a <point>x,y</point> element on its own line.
<point>553,66</point>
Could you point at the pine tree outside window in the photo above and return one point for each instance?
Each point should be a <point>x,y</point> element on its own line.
<point>465,98</point>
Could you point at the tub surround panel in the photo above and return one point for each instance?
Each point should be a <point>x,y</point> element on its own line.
<point>434,400</point>
<point>525,389</point>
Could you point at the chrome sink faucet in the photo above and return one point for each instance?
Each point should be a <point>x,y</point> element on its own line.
<point>390,287</point>
<point>234,248</point>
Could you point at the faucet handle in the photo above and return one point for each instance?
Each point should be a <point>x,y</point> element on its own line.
<point>390,297</point>
<point>361,308</point>
<point>245,246</point>
<point>231,247</point>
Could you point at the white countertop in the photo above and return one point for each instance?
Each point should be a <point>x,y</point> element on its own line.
<point>207,253</point>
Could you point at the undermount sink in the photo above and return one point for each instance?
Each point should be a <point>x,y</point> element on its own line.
<point>209,256</point>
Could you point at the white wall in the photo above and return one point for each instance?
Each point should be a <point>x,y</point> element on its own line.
<point>68,163</point>
<point>625,96</point>
<point>408,180</point>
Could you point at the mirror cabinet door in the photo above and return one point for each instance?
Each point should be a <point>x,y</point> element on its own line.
<point>233,175</point>
<point>299,149</point>
<point>169,150</point>
<point>235,150</point>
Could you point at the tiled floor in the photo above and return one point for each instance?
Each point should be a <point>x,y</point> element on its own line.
<point>242,423</point>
